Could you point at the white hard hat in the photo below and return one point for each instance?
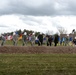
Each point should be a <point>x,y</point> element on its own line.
<point>25,33</point>
<point>33,33</point>
<point>75,37</point>
<point>14,33</point>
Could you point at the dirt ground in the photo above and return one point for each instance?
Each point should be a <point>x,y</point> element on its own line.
<point>37,49</point>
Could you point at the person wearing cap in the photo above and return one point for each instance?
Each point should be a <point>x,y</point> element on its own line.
<point>74,41</point>
<point>32,39</point>
<point>15,39</point>
<point>24,38</point>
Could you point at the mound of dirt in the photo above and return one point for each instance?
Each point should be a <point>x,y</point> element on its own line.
<point>37,49</point>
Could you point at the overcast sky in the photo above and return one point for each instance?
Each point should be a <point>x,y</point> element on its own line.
<point>37,15</point>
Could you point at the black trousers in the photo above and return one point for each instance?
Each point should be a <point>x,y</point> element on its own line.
<point>49,43</point>
<point>40,42</point>
<point>55,43</point>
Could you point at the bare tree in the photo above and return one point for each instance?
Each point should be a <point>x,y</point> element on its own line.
<point>62,30</point>
<point>49,32</point>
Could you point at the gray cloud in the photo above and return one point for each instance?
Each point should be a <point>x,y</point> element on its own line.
<point>31,20</point>
<point>38,7</point>
<point>73,25</point>
<point>3,26</point>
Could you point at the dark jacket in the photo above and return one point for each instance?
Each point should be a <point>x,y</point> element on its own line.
<point>49,39</point>
<point>74,41</point>
<point>56,39</point>
<point>40,37</point>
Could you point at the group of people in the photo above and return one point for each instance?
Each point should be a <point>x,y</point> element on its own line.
<point>25,39</point>
<point>49,39</point>
<point>30,38</point>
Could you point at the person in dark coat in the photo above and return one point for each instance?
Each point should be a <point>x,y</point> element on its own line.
<point>40,39</point>
<point>56,39</point>
<point>49,41</point>
<point>74,41</point>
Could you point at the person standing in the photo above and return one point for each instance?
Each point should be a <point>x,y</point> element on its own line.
<point>15,39</point>
<point>3,39</point>
<point>33,39</point>
<point>56,39</point>
<point>49,41</point>
<point>74,41</point>
<point>24,39</point>
<point>40,39</point>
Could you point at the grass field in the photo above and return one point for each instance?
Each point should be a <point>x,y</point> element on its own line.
<point>37,64</point>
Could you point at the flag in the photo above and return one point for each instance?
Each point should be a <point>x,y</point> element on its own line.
<point>20,37</point>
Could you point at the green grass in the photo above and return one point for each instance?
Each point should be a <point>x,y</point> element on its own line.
<point>19,43</point>
<point>10,42</point>
<point>37,64</point>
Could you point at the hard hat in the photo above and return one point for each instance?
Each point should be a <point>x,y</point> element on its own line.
<point>25,33</point>
<point>75,37</point>
<point>33,33</point>
<point>14,33</point>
